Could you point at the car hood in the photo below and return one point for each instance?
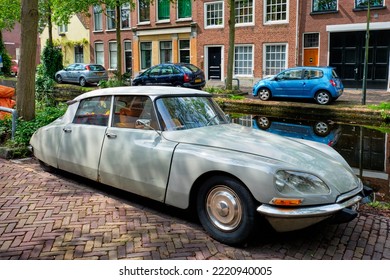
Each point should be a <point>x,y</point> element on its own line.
<point>294,154</point>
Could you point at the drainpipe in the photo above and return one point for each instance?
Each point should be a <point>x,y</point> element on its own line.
<point>297,35</point>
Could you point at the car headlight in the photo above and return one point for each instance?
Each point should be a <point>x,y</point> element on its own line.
<point>294,183</point>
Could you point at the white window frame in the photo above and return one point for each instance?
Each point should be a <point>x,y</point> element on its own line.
<point>97,14</point>
<point>283,21</point>
<point>168,50</point>
<point>126,8</point>
<point>185,49</point>
<point>110,12</point>
<point>275,70</point>
<point>251,60</point>
<point>178,18</point>
<point>249,23</point>
<point>62,29</point>
<point>99,59</point>
<point>112,55</point>
<point>221,25</point>
<point>138,13</point>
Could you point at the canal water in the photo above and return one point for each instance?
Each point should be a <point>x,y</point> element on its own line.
<point>364,148</point>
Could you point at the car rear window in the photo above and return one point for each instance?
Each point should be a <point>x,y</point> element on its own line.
<point>314,74</point>
<point>190,68</point>
<point>334,74</point>
<point>96,68</point>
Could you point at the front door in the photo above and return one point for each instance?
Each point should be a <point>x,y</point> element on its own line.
<point>214,63</point>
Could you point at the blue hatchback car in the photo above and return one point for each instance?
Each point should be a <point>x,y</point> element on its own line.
<point>320,83</point>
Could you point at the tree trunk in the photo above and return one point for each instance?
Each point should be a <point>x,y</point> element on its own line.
<point>25,88</point>
<point>232,22</point>
<point>118,42</point>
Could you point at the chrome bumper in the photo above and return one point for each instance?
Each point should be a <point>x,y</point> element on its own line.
<point>288,219</point>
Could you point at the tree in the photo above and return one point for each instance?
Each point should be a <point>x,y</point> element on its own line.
<point>45,18</point>
<point>232,31</point>
<point>25,88</point>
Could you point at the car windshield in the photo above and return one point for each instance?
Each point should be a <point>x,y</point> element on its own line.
<point>187,112</point>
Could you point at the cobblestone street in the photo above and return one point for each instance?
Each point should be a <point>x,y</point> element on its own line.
<point>59,216</point>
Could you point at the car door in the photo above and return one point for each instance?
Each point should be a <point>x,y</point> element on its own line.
<point>165,77</point>
<point>81,140</point>
<point>289,83</point>
<point>135,157</point>
<point>151,78</point>
<point>67,75</point>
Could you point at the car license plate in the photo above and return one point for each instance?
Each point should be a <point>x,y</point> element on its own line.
<point>198,80</point>
<point>99,74</point>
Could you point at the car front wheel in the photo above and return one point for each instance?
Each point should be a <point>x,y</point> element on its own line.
<point>264,94</point>
<point>226,210</point>
<point>323,98</point>
<point>59,79</point>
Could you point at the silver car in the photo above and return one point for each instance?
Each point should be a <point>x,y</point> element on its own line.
<point>82,74</point>
<point>176,146</point>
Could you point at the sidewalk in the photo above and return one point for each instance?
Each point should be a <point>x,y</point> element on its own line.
<point>60,216</point>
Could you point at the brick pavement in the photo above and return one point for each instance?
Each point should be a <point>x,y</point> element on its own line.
<point>60,216</point>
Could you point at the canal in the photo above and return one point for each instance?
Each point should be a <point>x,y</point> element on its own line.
<point>366,149</point>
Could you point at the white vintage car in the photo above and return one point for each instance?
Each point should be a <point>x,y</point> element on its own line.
<point>176,146</point>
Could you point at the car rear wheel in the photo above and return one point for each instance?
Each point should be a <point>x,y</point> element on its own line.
<point>323,98</point>
<point>263,122</point>
<point>59,79</point>
<point>226,210</point>
<point>82,82</point>
<point>264,94</point>
<point>321,129</point>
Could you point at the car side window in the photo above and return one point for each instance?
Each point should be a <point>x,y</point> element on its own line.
<point>93,111</point>
<point>134,112</point>
<point>79,67</point>
<point>313,74</point>
<point>167,70</point>
<point>291,75</point>
<point>175,70</point>
<point>155,71</point>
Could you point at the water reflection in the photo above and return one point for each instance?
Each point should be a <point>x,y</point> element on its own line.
<point>365,149</point>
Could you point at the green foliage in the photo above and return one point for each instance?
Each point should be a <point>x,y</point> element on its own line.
<point>384,107</point>
<point>114,82</point>
<point>25,129</point>
<point>6,69</point>
<point>9,13</point>
<point>44,87</point>
<point>380,205</point>
<point>51,60</point>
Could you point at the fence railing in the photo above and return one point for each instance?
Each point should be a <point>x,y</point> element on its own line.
<point>14,118</point>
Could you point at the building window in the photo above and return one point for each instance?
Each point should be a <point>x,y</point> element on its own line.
<point>99,53</point>
<point>243,60</point>
<point>125,16</point>
<point>146,54</point>
<point>363,4</point>
<point>184,51</point>
<point>144,10</point>
<point>244,11</point>
<point>214,14</point>
<point>128,57</point>
<point>324,5</point>
<point>163,7</point>
<point>165,51</point>
<point>276,11</point>
<point>184,9</point>
<point>112,48</point>
<point>62,29</point>
<point>110,18</point>
<point>311,40</point>
<point>275,58</point>
<point>78,54</point>
<point>97,18</point>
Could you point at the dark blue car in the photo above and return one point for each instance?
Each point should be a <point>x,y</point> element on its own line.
<point>320,83</point>
<point>172,74</point>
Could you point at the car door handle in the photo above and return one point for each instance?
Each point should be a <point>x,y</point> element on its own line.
<point>111,135</point>
<point>67,130</point>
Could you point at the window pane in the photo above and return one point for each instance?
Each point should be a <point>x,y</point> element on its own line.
<point>184,8</point>
<point>184,51</point>
<point>324,5</point>
<point>163,9</point>
<point>276,10</point>
<point>165,51</point>
<point>110,18</point>
<point>311,40</point>
<point>93,111</point>
<point>214,14</point>
<point>125,16</point>
<point>244,11</point>
<point>99,53</point>
<point>243,63</point>
<point>144,10</point>
<point>146,55</point>
<point>113,55</point>
<point>275,59</point>
<point>97,16</point>
<point>364,3</point>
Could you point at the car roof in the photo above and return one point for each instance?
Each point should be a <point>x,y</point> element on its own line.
<point>154,91</point>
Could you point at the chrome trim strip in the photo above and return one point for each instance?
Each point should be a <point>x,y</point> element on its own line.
<point>323,210</point>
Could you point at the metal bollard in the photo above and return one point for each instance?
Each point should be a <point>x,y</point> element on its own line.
<point>14,118</point>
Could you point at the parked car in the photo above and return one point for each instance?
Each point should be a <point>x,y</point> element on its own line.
<point>176,146</point>
<point>82,74</point>
<point>172,74</point>
<point>320,83</point>
<point>326,132</point>
<point>14,67</point>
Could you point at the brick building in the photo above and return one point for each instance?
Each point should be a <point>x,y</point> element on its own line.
<point>334,34</point>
